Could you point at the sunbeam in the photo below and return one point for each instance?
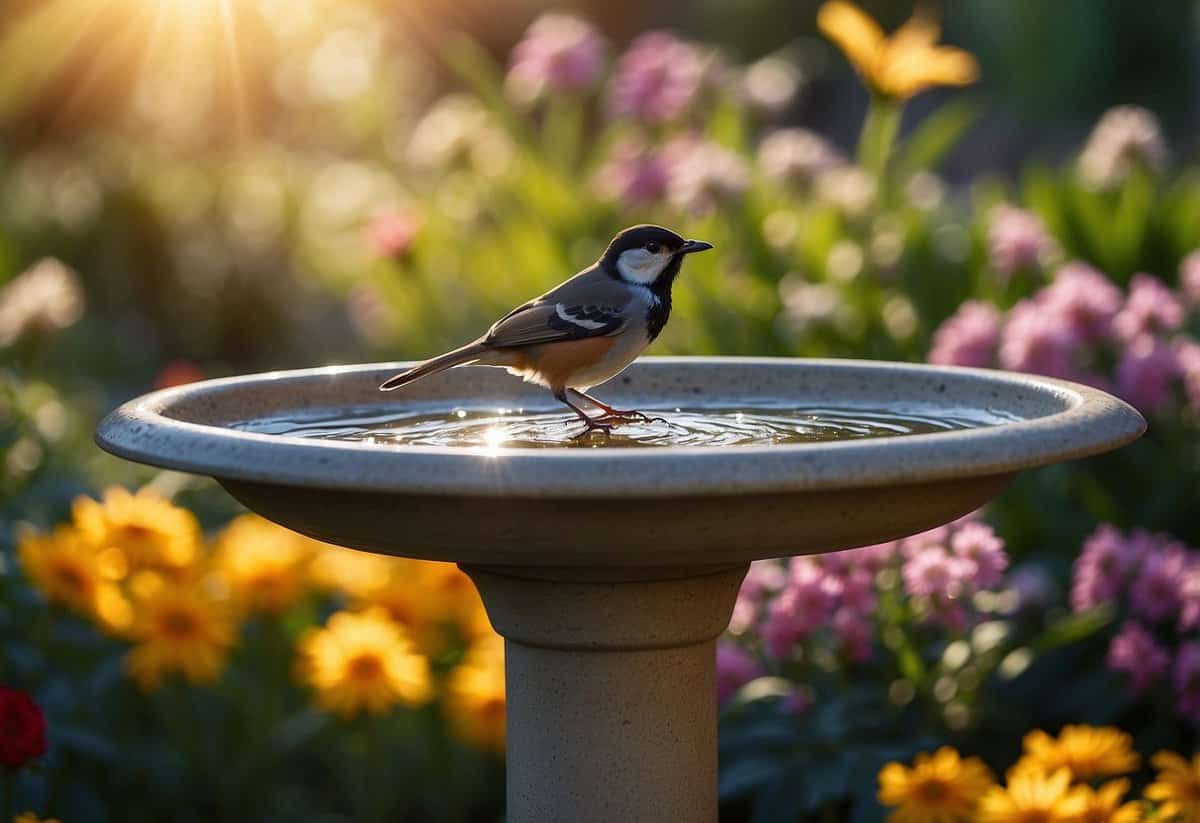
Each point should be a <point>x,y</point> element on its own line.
<point>179,64</point>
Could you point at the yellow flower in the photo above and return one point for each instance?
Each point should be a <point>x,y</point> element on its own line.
<point>429,599</point>
<point>1033,796</point>
<point>940,788</point>
<point>1103,805</point>
<point>1088,751</point>
<point>475,694</point>
<point>30,817</point>
<point>1177,787</point>
<point>72,573</point>
<point>63,566</point>
<point>351,572</point>
<point>152,532</point>
<point>899,66</point>
<point>184,630</point>
<point>263,563</point>
<point>363,662</point>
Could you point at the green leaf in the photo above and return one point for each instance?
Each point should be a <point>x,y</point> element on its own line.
<point>1073,628</point>
<point>935,137</point>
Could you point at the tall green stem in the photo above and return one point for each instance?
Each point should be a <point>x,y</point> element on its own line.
<point>878,134</point>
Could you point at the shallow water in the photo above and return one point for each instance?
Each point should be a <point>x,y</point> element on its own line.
<point>687,426</point>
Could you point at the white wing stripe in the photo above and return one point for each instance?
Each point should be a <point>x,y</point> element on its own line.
<point>583,323</point>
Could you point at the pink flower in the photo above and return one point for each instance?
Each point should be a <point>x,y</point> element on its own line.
<point>937,537</point>
<point>797,156</point>
<point>634,173</point>
<point>1189,278</point>
<point>1084,300</point>
<point>656,79</point>
<point>1102,568</point>
<point>559,52</point>
<point>764,577</point>
<point>391,233</point>
<point>982,552</point>
<point>1146,372</point>
<point>1189,597</point>
<point>1135,652</point>
<point>933,572</point>
<point>853,632</point>
<point>865,558</point>
<point>1155,593</point>
<point>802,607</point>
<point>704,174</point>
<point>1017,240</point>
<point>969,337</point>
<point>949,614</point>
<point>1036,340</point>
<point>735,668</point>
<point>1187,353</point>
<point>778,631</point>
<point>1187,680</point>
<point>1151,308</point>
<point>857,591</point>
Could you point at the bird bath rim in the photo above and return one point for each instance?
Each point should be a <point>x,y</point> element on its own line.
<point>1080,421</point>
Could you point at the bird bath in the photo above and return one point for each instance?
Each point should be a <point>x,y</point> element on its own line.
<point>611,571</point>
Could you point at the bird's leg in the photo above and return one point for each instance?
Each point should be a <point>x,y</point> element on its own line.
<point>561,396</point>
<point>611,413</point>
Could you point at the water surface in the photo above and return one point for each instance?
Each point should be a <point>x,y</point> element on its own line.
<point>711,426</point>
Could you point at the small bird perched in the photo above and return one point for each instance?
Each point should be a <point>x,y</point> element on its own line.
<point>586,330</point>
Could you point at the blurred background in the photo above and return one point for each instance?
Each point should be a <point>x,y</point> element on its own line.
<point>195,188</point>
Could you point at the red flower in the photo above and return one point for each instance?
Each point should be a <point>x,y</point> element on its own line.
<point>391,233</point>
<point>22,728</point>
<point>178,373</point>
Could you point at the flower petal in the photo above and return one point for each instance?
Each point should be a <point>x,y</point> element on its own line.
<point>854,32</point>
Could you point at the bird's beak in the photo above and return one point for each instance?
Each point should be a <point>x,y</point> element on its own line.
<point>690,246</point>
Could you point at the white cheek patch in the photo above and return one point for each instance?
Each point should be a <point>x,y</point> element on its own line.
<point>640,266</point>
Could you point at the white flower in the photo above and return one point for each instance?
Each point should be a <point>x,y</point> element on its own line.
<point>46,297</point>
<point>1125,138</point>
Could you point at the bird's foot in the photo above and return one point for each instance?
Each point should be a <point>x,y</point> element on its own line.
<point>593,425</point>
<point>619,416</point>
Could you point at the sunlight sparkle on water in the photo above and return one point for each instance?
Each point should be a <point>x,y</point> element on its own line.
<point>494,438</point>
<point>499,429</point>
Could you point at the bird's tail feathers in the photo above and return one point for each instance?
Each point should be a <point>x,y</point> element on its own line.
<point>467,354</point>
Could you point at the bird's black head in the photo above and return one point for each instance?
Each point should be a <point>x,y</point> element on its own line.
<point>648,255</point>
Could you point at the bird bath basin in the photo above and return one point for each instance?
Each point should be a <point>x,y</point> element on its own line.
<point>611,571</point>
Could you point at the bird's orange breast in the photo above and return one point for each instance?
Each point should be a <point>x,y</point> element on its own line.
<point>554,363</point>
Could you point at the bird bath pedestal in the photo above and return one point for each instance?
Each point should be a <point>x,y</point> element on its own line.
<point>610,572</point>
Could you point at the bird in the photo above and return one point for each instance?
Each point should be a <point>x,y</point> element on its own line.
<point>587,329</point>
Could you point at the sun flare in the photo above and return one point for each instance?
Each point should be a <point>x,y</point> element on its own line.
<point>170,62</point>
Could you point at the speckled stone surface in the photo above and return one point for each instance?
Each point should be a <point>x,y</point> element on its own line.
<point>610,571</point>
<point>611,709</point>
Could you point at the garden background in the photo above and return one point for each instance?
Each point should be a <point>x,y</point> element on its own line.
<point>195,188</point>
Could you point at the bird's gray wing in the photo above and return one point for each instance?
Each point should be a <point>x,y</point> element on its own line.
<point>590,304</point>
<point>536,323</point>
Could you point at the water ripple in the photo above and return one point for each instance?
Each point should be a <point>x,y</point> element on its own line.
<point>711,426</point>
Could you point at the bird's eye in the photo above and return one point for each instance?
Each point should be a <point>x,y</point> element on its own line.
<point>652,247</point>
